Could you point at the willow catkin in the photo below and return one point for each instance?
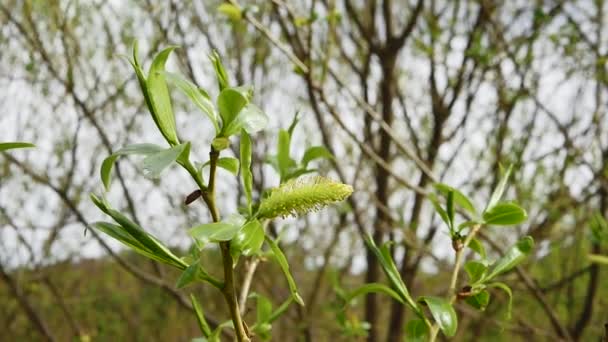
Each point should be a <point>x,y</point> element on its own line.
<point>303,195</point>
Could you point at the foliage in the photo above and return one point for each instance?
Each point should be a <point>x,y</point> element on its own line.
<point>239,233</point>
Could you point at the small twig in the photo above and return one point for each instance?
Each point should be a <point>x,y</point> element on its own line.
<point>455,272</point>
<point>228,290</point>
<point>250,268</point>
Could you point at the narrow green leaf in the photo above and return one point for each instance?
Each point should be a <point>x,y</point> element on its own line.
<point>215,334</point>
<point>416,331</point>
<point>251,118</point>
<point>141,78</point>
<point>220,72</point>
<point>475,270</point>
<point>297,173</point>
<point>200,316</point>
<point>108,163</point>
<point>198,97</point>
<point>466,224</point>
<point>505,214</point>
<point>249,239</point>
<point>315,152</point>
<point>155,163</point>
<point>284,160</point>
<point>294,123</point>
<point>439,210</point>
<point>500,189</point>
<point>119,233</point>
<point>5,146</point>
<point>188,276</point>
<point>215,231</point>
<point>443,313</point>
<point>246,175</point>
<point>373,288</point>
<point>390,269</point>
<point>515,255</point>
<point>479,301</point>
<point>450,209</point>
<point>459,198</point>
<point>160,99</point>
<point>230,103</point>
<point>148,242</point>
<point>478,248</point>
<point>229,164</point>
<point>509,293</point>
<point>263,308</point>
<point>282,260</point>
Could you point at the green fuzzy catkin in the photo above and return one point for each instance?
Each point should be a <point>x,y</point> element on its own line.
<point>303,195</point>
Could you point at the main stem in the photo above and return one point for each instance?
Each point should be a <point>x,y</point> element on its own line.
<point>455,272</point>
<point>228,290</point>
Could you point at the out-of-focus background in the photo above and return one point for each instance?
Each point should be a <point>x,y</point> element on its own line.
<point>404,93</point>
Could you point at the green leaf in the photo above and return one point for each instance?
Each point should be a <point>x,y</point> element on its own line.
<point>263,308</point>
<point>220,72</point>
<point>188,276</point>
<point>282,260</point>
<point>155,163</point>
<point>264,315</point>
<point>315,152</point>
<point>251,118</point>
<point>479,301</point>
<point>119,233</point>
<point>450,209</point>
<point>5,146</point>
<point>200,316</point>
<point>459,198</point>
<point>443,313</point>
<point>230,103</point>
<point>477,247</point>
<point>442,213</point>
<point>108,163</point>
<point>283,159</point>
<point>197,96</point>
<point>249,239</point>
<point>515,255</point>
<point>246,175</point>
<point>215,334</point>
<point>416,331</point>
<point>148,243</point>
<point>233,12</point>
<point>220,143</point>
<point>159,97</point>
<point>507,290</point>
<point>597,258</point>
<point>294,123</point>
<point>475,270</point>
<point>229,164</point>
<point>217,231</point>
<point>390,269</point>
<point>373,288</point>
<point>505,214</point>
<point>141,78</point>
<point>466,224</point>
<point>500,189</point>
<point>297,173</point>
